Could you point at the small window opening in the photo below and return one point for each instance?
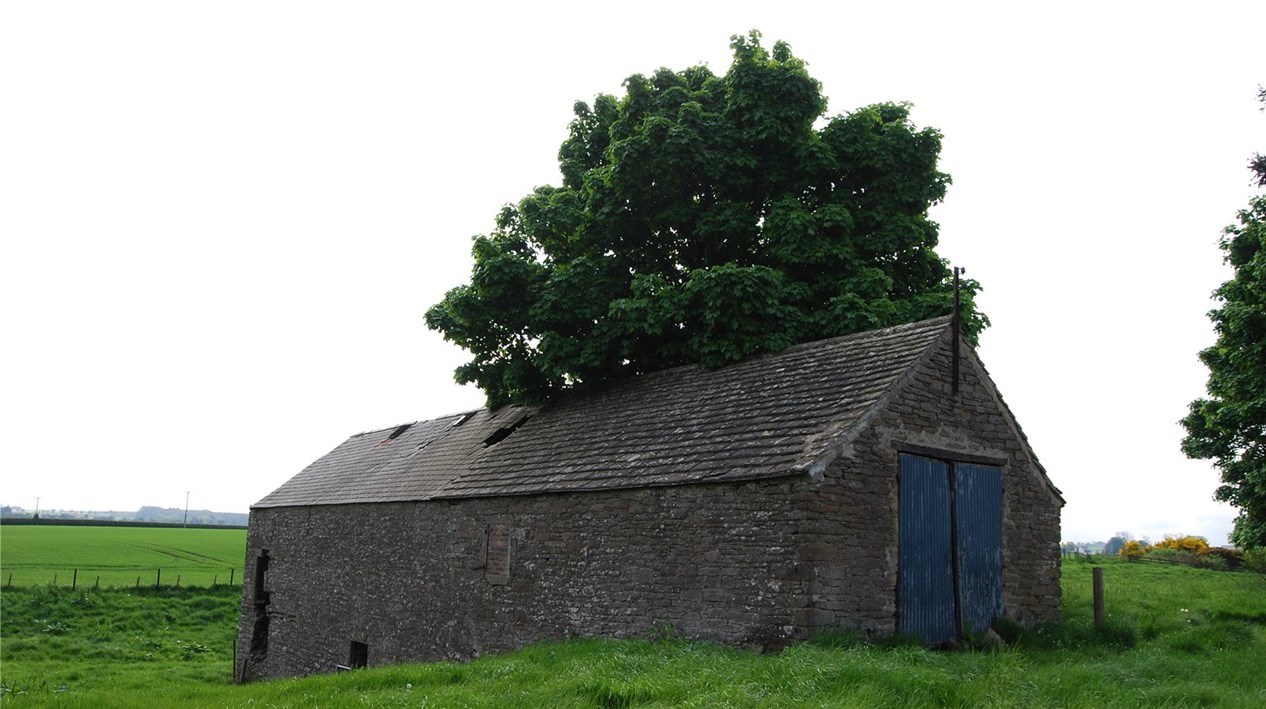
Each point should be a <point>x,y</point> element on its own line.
<point>358,656</point>
<point>504,432</point>
<point>262,597</point>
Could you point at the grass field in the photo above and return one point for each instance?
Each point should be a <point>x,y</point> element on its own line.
<point>1176,637</point>
<point>34,555</point>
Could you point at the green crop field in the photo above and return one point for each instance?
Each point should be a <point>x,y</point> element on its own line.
<point>34,555</point>
<point>1175,637</point>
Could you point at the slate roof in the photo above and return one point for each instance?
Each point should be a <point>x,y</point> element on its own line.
<point>773,415</point>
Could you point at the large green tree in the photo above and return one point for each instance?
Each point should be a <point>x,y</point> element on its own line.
<point>704,218</point>
<point>1230,425</point>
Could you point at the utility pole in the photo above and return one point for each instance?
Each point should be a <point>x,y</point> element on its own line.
<point>186,522</point>
<point>37,508</point>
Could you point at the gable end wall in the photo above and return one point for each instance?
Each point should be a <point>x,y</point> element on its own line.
<point>923,413</point>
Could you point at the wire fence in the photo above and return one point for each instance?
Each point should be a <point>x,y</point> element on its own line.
<point>156,578</point>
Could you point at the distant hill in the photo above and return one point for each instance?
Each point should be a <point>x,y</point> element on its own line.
<point>168,515</point>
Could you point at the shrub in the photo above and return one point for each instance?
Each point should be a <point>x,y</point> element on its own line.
<point>1255,560</point>
<point>1132,549</point>
<point>1195,551</point>
<point>1189,544</point>
<point>1173,556</point>
<point>1231,559</point>
<point>1215,562</point>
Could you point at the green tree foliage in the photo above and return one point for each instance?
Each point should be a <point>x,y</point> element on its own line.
<point>1258,162</point>
<point>1114,545</point>
<point>1230,425</point>
<point>705,218</point>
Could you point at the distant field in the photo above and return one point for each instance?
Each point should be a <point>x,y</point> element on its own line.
<point>34,555</point>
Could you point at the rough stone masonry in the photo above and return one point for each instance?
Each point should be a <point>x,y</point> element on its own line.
<point>757,555</point>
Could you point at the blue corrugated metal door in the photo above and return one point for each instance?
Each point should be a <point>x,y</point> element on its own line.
<point>949,509</point>
<point>978,518</point>
<point>925,564</point>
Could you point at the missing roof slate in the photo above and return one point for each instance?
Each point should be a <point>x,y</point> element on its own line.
<point>395,434</point>
<point>399,430</point>
<point>504,432</point>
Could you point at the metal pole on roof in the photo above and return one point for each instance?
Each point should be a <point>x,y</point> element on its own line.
<point>958,270</point>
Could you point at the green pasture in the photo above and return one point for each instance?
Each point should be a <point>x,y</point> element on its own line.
<point>1175,637</point>
<point>34,555</point>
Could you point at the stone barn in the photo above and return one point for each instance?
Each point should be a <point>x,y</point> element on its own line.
<point>875,482</point>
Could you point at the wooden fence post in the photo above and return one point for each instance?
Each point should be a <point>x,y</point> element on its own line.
<point>158,580</point>
<point>138,582</point>
<point>177,580</point>
<point>97,586</point>
<point>10,579</point>
<point>231,578</point>
<point>54,579</point>
<point>74,580</point>
<point>1098,582</point>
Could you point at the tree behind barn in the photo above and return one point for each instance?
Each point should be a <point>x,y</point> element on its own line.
<point>704,219</point>
<point>1230,425</point>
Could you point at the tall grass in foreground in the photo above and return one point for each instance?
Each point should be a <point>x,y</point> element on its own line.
<point>1176,637</point>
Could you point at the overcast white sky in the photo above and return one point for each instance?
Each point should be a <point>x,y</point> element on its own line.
<point>223,221</point>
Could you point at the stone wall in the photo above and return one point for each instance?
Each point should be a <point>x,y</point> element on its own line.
<point>757,564</point>
<point>413,580</point>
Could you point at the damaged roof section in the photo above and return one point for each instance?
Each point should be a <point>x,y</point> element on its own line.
<point>769,416</point>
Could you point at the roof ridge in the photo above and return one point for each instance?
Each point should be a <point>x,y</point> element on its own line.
<point>679,425</point>
<point>888,331</point>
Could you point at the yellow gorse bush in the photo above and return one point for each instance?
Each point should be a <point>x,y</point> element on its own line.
<point>1132,550</point>
<point>1192,545</point>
